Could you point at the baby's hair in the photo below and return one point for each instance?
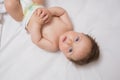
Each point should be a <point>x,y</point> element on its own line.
<point>93,55</point>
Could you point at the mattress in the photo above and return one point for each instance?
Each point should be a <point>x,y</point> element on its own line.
<point>20,59</point>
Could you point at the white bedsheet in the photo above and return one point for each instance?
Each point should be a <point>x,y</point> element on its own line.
<point>20,59</point>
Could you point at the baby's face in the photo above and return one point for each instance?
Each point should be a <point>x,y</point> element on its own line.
<point>75,45</point>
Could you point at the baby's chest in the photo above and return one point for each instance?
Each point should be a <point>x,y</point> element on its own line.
<point>51,33</point>
<point>54,30</point>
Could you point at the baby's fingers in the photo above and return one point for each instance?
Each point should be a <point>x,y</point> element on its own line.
<point>38,12</point>
<point>45,18</point>
<point>43,14</point>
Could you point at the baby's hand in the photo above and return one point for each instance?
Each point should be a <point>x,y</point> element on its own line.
<point>44,14</point>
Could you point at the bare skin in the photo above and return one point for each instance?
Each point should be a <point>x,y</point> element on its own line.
<point>42,35</point>
<point>47,35</point>
<point>51,29</point>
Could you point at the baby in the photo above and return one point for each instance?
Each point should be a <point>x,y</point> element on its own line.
<point>52,30</point>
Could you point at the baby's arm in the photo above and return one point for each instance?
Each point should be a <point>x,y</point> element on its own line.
<point>35,25</point>
<point>60,12</point>
<point>40,40</point>
<point>14,8</point>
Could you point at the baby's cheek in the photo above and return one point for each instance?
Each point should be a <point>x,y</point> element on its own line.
<point>63,48</point>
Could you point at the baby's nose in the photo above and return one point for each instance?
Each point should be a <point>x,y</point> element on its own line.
<point>69,42</point>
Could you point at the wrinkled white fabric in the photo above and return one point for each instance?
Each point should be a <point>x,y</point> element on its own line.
<point>2,7</point>
<point>20,59</point>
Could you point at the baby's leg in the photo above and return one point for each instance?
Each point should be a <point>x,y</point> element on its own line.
<point>14,8</point>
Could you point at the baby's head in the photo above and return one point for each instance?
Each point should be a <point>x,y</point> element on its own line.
<point>79,47</point>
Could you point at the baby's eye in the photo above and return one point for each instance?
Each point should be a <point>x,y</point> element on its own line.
<point>70,49</point>
<point>77,39</point>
